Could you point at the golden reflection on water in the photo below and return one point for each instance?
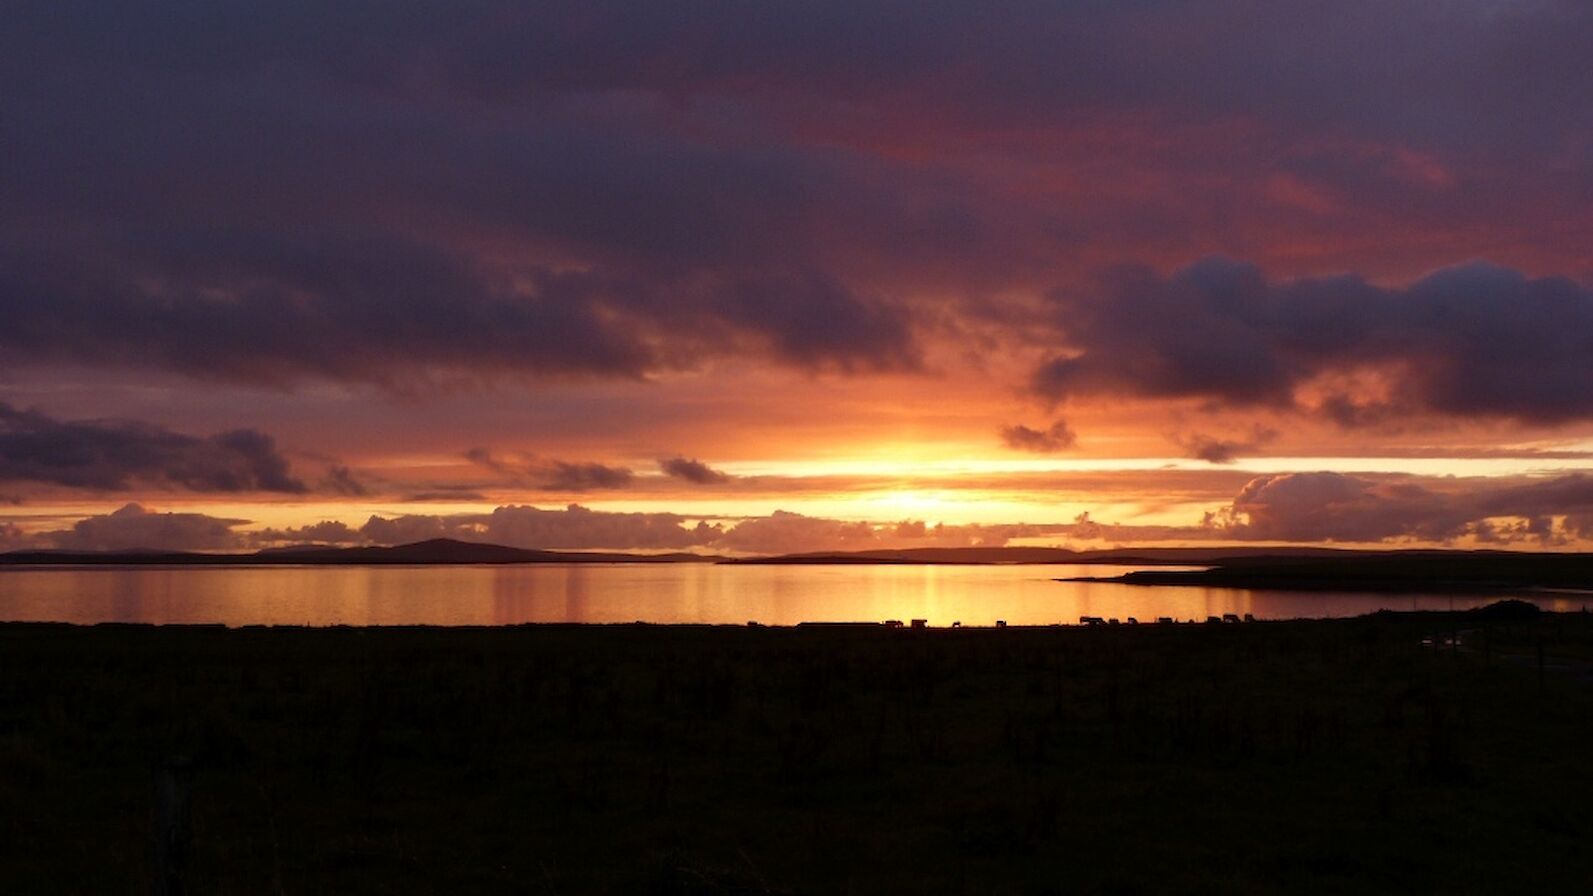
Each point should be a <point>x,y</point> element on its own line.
<point>659,593</point>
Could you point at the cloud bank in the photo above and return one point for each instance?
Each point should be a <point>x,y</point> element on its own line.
<point>1309,507</point>
<point>554,475</point>
<point>602,190</point>
<point>1219,450</point>
<point>692,470</point>
<point>115,455</point>
<point>1056,437</point>
<point>132,527</point>
<point>1327,506</point>
<point>1476,340</point>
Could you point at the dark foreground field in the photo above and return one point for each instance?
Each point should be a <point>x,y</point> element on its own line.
<point>1330,757</point>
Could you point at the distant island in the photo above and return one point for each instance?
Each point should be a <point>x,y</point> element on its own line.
<point>436,551</point>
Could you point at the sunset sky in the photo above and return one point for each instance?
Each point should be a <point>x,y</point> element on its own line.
<point>766,277</point>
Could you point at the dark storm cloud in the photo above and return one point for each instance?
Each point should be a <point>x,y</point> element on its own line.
<point>811,319</point>
<point>244,228</point>
<point>484,457</point>
<point>1339,507</point>
<point>1218,450</point>
<point>1056,437</point>
<point>1425,68</point>
<point>562,476</point>
<point>266,307</point>
<point>693,471</point>
<point>115,455</point>
<point>553,475</point>
<point>1539,505</point>
<point>343,481</point>
<point>1474,340</point>
<point>405,193</point>
<point>445,495</point>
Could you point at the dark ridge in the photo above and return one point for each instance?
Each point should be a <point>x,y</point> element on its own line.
<point>437,551</point>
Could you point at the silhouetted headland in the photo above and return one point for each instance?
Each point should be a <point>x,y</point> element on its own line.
<point>1470,572</point>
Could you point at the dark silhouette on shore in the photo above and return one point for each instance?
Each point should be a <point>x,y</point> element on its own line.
<point>1395,753</point>
<point>1442,572</point>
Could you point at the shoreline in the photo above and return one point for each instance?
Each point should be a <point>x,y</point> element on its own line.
<point>727,759</point>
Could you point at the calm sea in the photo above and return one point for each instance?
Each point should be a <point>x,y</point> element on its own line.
<point>660,593</point>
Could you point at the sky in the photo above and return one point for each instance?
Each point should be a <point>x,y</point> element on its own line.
<point>758,278</point>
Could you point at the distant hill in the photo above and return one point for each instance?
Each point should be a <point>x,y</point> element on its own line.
<point>437,551</point>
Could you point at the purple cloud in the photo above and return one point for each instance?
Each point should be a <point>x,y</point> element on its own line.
<point>1056,437</point>
<point>693,471</point>
<point>1471,341</point>
<point>1217,450</point>
<point>1338,507</point>
<point>606,190</point>
<point>132,527</point>
<point>552,475</point>
<point>115,455</point>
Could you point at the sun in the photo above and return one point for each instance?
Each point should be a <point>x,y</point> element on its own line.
<point>930,507</point>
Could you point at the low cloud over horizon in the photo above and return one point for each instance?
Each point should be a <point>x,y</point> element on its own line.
<point>1295,508</point>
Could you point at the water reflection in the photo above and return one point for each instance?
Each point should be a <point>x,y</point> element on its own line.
<point>662,593</point>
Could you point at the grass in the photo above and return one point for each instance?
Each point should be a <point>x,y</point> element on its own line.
<point>1312,757</point>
